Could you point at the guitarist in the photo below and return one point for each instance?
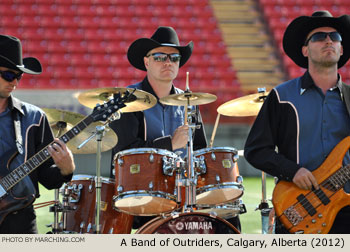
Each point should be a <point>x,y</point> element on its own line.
<point>24,131</point>
<point>303,119</point>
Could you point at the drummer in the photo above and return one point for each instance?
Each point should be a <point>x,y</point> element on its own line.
<point>161,126</point>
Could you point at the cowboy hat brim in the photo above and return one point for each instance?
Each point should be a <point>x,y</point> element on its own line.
<point>296,32</point>
<point>30,65</point>
<point>140,47</point>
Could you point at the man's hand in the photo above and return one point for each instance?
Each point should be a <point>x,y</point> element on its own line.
<point>62,157</point>
<point>304,179</point>
<point>180,137</point>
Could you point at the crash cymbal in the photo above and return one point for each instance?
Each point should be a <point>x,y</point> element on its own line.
<point>182,99</point>
<point>248,105</point>
<point>62,121</point>
<point>139,101</point>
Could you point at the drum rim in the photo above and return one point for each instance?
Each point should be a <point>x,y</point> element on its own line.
<point>213,149</point>
<point>163,152</point>
<point>85,177</point>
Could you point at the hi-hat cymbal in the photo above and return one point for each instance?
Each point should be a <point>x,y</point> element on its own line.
<point>248,105</point>
<point>62,121</point>
<point>184,98</point>
<point>139,101</point>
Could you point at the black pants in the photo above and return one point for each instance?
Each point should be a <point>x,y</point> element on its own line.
<point>20,222</point>
<point>341,224</point>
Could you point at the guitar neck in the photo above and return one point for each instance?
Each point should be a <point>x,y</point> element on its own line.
<point>14,177</point>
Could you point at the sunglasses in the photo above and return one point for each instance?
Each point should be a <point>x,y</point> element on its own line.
<point>10,76</point>
<point>321,36</point>
<point>162,57</point>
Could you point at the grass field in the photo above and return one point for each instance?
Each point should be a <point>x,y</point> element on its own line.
<point>250,221</point>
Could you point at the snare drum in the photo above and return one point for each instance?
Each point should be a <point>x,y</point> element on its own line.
<point>188,223</point>
<point>219,180</point>
<point>145,184</point>
<point>82,201</point>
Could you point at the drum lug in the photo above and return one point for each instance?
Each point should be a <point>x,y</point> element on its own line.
<point>201,165</point>
<point>88,228</point>
<point>120,162</point>
<point>168,167</point>
<point>213,157</point>
<point>76,193</point>
<point>82,226</point>
<point>151,158</point>
<point>217,178</point>
<point>150,185</point>
<point>120,188</point>
<point>239,179</point>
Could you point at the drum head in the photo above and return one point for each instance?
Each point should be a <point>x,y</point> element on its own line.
<point>188,223</point>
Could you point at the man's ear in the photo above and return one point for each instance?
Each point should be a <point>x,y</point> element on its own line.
<point>146,62</point>
<point>304,51</point>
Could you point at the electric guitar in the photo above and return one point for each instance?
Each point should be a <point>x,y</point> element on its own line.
<point>314,211</point>
<point>18,179</point>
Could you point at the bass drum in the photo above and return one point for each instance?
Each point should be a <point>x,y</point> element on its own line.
<point>188,223</point>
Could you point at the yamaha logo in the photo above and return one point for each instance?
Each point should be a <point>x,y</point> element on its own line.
<point>179,226</point>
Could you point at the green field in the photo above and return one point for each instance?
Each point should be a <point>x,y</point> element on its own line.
<point>250,221</point>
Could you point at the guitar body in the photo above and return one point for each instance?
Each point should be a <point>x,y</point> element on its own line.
<point>20,196</point>
<point>305,211</point>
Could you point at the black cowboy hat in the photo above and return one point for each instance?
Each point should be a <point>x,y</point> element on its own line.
<point>11,56</point>
<point>163,36</point>
<point>296,32</point>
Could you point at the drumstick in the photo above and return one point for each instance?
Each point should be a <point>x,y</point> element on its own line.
<point>187,89</point>
<point>187,77</point>
<point>214,130</point>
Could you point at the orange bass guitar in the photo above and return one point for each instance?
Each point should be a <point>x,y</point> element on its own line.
<point>313,212</point>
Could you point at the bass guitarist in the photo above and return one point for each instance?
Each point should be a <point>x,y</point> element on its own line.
<point>24,131</point>
<point>303,119</point>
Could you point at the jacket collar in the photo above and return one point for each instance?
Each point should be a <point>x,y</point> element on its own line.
<point>14,103</point>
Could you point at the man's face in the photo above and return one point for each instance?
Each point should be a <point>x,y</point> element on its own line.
<point>6,87</point>
<point>162,71</point>
<point>324,52</point>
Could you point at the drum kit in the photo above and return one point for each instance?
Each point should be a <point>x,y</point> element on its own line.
<point>194,194</point>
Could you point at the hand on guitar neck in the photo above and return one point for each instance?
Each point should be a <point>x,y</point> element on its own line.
<point>62,157</point>
<point>304,179</point>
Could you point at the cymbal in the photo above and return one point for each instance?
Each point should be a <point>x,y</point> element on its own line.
<point>183,98</point>
<point>62,121</point>
<point>141,100</point>
<point>248,105</point>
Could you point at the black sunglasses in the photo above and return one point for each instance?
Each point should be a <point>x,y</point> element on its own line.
<point>321,36</point>
<point>162,57</point>
<point>10,76</point>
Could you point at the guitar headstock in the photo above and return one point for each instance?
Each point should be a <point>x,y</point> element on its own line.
<point>104,111</point>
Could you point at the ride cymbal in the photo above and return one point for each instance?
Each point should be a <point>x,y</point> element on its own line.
<point>188,98</point>
<point>139,100</point>
<point>248,105</point>
<point>62,121</point>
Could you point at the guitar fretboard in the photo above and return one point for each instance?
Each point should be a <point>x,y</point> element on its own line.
<point>23,170</point>
<point>338,179</point>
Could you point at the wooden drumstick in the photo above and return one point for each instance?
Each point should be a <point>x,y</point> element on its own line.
<point>187,89</point>
<point>187,78</point>
<point>214,130</point>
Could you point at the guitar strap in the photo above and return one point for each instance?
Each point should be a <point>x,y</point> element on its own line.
<point>17,125</point>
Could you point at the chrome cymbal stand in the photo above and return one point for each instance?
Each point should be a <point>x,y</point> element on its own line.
<point>99,133</point>
<point>190,182</point>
